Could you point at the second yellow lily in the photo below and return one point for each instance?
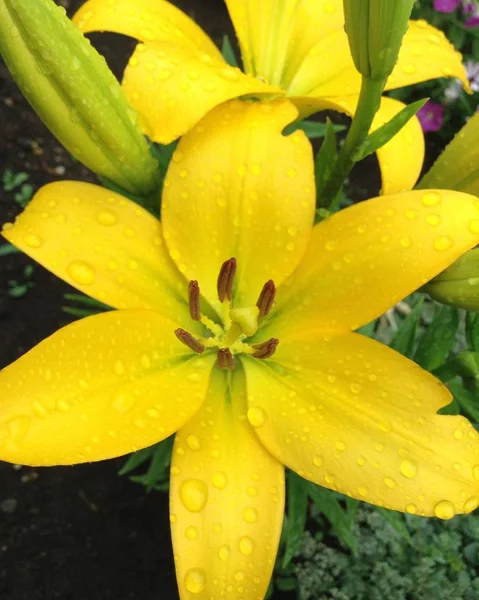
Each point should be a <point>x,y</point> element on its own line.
<point>292,48</point>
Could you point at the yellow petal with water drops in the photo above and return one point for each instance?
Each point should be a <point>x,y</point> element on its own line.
<point>99,388</point>
<point>401,159</point>
<point>275,35</point>
<point>364,259</point>
<point>146,21</point>
<point>172,87</point>
<point>104,245</point>
<point>251,196</point>
<point>226,499</point>
<point>426,54</point>
<point>356,417</point>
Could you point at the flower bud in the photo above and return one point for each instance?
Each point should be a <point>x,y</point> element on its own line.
<point>375,30</point>
<point>458,285</point>
<point>457,168</point>
<point>73,91</point>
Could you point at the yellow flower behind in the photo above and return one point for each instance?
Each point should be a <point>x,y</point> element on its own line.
<point>292,48</point>
<point>254,369</point>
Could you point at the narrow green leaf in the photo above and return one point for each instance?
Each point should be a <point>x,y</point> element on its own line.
<point>326,157</point>
<point>136,459</point>
<point>467,400</point>
<point>397,522</point>
<point>158,469</point>
<point>404,339</point>
<point>367,330</point>
<point>335,514</point>
<point>315,130</point>
<point>438,339</point>
<point>228,52</point>
<point>6,249</point>
<point>447,371</point>
<point>297,511</point>
<point>82,299</point>
<point>79,312</point>
<point>472,330</point>
<point>381,136</point>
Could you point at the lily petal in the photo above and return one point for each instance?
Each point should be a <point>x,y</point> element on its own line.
<point>364,259</point>
<point>328,69</point>
<point>104,245</point>
<point>146,21</point>
<point>426,54</point>
<point>173,86</point>
<point>251,196</point>
<point>406,148</point>
<point>353,415</point>
<point>276,35</point>
<point>227,500</point>
<point>99,388</point>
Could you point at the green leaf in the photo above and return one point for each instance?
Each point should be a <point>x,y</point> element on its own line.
<point>297,512</point>
<point>447,371</point>
<point>368,330</point>
<point>472,330</point>
<point>397,522</point>
<point>381,136</point>
<point>228,52</point>
<point>438,339</point>
<point>286,584</point>
<point>80,313</point>
<point>315,130</point>
<point>158,469</point>
<point>136,459</point>
<point>467,400</point>
<point>325,158</point>
<point>404,339</point>
<point>335,514</point>
<point>6,249</point>
<point>81,299</point>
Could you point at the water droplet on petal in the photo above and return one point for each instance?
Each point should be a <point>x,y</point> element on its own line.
<point>471,504</point>
<point>411,509</point>
<point>257,416</point>
<point>123,402</point>
<point>442,243</point>
<point>389,482</point>
<point>195,581</point>
<point>191,533</point>
<point>444,510</point>
<point>81,272</point>
<point>193,442</point>
<point>250,515</point>
<point>246,545</point>
<point>408,468</point>
<point>34,241</point>
<point>106,217</point>
<point>224,552</point>
<point>194,494</point>
<point>431,199</point>
<point>219,480</point>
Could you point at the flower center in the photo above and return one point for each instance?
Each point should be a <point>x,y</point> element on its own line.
<point>238,323</point>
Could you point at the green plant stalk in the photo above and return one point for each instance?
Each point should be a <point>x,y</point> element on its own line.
<point>369,101</point>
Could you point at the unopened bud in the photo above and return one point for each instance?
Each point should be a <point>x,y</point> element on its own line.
<point>457,168</point>
<point>375,30</point>
<point>458,285</point>
<point>74,92</point>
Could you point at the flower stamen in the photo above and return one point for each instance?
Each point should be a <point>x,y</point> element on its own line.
<point>194,300</point>
<point>265,349</point>
<point>226,279</point>
<point>266,298</point>
<point>188,340</point>
<point>225,359</point>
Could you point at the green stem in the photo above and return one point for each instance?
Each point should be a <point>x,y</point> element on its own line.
<point>368,105</point>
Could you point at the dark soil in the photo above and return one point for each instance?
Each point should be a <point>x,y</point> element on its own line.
<point>73,533</point>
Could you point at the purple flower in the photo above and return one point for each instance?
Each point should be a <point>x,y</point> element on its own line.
<point>472,21</point>
<point>431,116</point>
<point>446,6</point>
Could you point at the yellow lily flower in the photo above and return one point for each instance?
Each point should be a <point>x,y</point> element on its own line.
<point>292,48</point>
<point>255,368</point>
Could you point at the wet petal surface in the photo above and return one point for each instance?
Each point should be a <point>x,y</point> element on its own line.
<point>227,500</point>
<point>99,388</point>
<point>251,196</point>
<point>356,417</point>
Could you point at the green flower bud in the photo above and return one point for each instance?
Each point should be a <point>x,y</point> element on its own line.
<point>458,284</point>
<point>73,91</point>
<point>457,168</point>
<point>375,30</point>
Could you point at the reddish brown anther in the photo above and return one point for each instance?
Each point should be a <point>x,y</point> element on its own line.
<point>266,298</point>
<point>226,279</point>
<point>266,349</point>
<point>225,359</point>
<point>188,340</point>
<point>194,300</point>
